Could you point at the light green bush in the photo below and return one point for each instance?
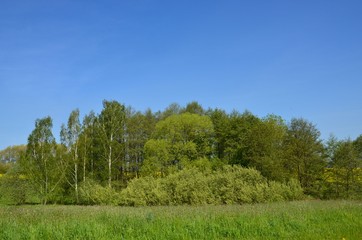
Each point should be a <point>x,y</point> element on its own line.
<point>144,191</point>
<point>187,187</point>
<point>93,193</point>
<point>228,185</point>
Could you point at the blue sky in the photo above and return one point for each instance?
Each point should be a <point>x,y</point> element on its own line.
<point>290,58</point>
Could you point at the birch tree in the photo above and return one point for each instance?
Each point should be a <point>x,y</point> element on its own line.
<point>69,136</point>
<point>40,164</point>
<point>111,124</point>
<point>86,145</point>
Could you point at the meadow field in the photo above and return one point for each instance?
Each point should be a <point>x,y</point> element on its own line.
<point>283,220</point>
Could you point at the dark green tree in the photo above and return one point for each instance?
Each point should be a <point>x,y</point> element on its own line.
<point>346,167</point>
<point>304,155</point>
<point>194,107</point>
<point>139,127</point>
<point>172,109</point>
<point>265,147</point>
<point>238,134</point>
<point>221,125</point>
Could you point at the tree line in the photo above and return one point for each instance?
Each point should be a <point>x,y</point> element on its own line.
<point>112,150</point>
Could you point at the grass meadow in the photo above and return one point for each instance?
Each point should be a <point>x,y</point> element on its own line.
<point>283,220</point>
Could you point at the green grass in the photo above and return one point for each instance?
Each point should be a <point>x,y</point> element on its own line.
<point>292,220</point>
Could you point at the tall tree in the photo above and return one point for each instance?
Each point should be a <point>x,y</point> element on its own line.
<point>69,136</point>
<point>331,146</point>
<point>265,144</point>
<point>139,127</point>
<point>346,167</point>
<point>172,109</point>
<point>304,154</point>
<point>87,144</point>
<point>111,129</point>
<point>178,140</point>
<point>238,134</point>
<point>195,108</point>
<point>358,146</point>
<point>40,163</point>
<point>221,125</point>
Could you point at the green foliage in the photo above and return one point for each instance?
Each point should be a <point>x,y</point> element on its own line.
<point>176,141</point>
<point>144,191</point>
<point>345,175</point>
<point>4,167</point>
<point>90,193</point>
<point>304,155</point>
<point>219,120</point>
<point>13,189</point>
<point>41,162</point>
<point>111,139</point>
<point>265,144</point>
<point>195,108</point>
<point>139,127</point>
<point>11,155</point>
<point>228,185</point>
<point>70,139</point>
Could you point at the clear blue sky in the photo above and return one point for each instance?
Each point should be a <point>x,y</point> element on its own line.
<point>290,58</point>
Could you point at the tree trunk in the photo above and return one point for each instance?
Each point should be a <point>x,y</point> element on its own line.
<point>76,181</point>
<point>84,159</point>
<point>84,169</point>
<point>110,163</point>
<point>76,173</point>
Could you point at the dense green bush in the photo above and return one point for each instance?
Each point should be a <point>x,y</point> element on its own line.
<point>93,193</point>
<point>229,185</point>
<point>13,189</point>
<point>144,191</point>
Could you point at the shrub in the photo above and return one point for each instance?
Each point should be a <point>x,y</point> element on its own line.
<point>13,189</point>
<point>144,191</point>
<point>228,185</point>
<point>91,193</point>
<point>188,186</point>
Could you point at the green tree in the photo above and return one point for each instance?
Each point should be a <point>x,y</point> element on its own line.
<point>139,127</point>
<point>331,146</point>
<point>346,165</point>
<point>358,146</point>
<point>11,154</point>
<point>221,125</point>
<point>69,136</point>
<point>158,158</point>
<point>172,109</point>
<point>194,107</point>
<point>86,141</point>
<point>40,164</point>
<point>238,133</point>
<point>304,154</point>
<point>179,140</point>
<point>111,129</point>
<point>265,147</point>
